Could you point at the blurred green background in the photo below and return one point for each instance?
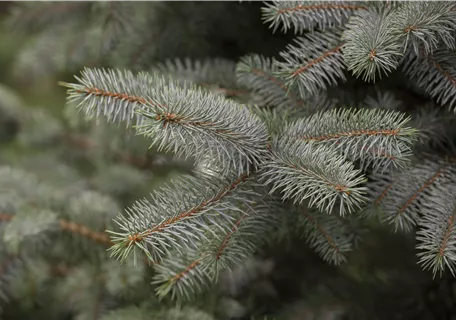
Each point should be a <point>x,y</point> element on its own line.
<point>381,281</point>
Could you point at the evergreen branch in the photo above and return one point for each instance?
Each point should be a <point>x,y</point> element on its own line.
<point>235,246</point>
<point>220,251</point>
<point>204,126</point>
<point>313,62</point>
<point>182,119</point>
<point>376,137</point>
<point>177,214</point>
<point>404,200</point>
<point>111,93</point>
<point>432,125</point>
<point>181,276</point>
<point>315,172</point>
<point>327,234</point>
<point>228,236</point>
<point>257,73</point>
<point>378,186</point>
<point>426,24</point>
<point>307,15</point>
<point>370,50</point>
<point>436,74</point>
<point>437,234</point>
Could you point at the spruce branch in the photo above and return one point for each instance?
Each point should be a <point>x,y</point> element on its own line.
<point>182,119</point>
<point>327,234</point>
<point>258,74</point>
<point>182,277</point>
<point>316,172</point>
<point>376,137</point>
<point>313,62</point>
<point>378,186</point>
<point>221,251</point>
<point>436,236</point>
<point>402,202</point>
<point>435,73</point>
<point>178,215</point>
<point>370,50</point>
<point>202,125</point>
<point>425,24</point>
<point>307,15</point>
<point>432,123</point>
<point>111,93</point>
<point>224,251</point>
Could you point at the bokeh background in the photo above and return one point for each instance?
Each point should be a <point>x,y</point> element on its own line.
<point>42,44</point>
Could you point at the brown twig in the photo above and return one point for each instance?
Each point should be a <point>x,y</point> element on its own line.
<point>138,237</point>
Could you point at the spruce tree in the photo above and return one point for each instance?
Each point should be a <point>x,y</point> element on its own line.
<point>320,141</point>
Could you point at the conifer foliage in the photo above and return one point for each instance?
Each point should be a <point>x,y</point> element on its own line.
<point>273,141</point>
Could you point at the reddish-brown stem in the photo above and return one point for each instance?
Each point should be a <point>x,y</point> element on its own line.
<point>315,61</point>
<point>445,73</point>
<point>228,237</point>
<point>426,185</point>
<point>337,187</point>
<point>186,214</point>
<point>190,267</point>
<point>383,194</point>
<point>117,95</point>
<point>166,117</point>
<point>322,230</point>
<point>447,236</point>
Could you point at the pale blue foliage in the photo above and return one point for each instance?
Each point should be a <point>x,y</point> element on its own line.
<point>378,138</point>
<point>313,62</point>
<point>308,15</point>
<point>371,50</point>
<point>303,171</point>
<point>436,238</point>
<point>435,73</point>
